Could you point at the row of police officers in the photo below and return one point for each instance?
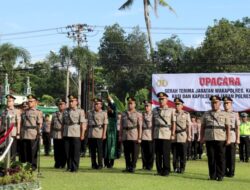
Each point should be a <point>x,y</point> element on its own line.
<point>159,131</point>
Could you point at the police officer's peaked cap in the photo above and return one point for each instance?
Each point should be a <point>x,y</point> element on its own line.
<point>97,100</point>
<point>243,114</point>
<point>31,96</point>
<point>9,96</point>
<point>131,99</point>
<point>146,102</point>
<point>178,101</point>
<point>214,98</point>
<point>72,97</point>
<point>227,99</point>
<point>161,95</point>
<point>61,100</point>
<point>25,104</point>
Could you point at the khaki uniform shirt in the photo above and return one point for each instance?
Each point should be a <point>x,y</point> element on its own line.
<point>214,124</point>
<point>147,126</point>
<point>183,122</point>
<point>72,119</point>
<point>131,123</point>
<point>195,131</point>
<point>46,126</point>
<point>96,122</point>
<point>234,122</point>
<point>31,121</point>
<point>161,129</point>
<point>15,117</point>
<point>56,125</point>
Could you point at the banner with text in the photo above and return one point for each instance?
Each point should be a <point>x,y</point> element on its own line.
<point>196,88</point>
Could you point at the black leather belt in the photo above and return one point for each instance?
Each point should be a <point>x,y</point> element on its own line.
<point>215,127</point>
<point>146,128</point>
<point>57,129</point>
<point>96,126</point>
<point>163,126</point>
<point>30,127</point>
<point>129,128</point>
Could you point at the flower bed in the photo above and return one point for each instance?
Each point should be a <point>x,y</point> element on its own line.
<point>19,177</point>
<point>22,186</point>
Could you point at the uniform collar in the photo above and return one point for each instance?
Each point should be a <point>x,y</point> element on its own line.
<point>132,111</point>
<point>98,111</point>
<point>148,113</point>
<point>74,109</point>
<point>164,107</point>
<point>219,110</point>
<point>179,112</point>
<point>12,108</point>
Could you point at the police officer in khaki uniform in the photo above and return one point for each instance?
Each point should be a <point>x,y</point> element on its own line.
<point>46,128</point>
<point>97,127</point>
<point>15,119</point>
<point>234,136</point>
<point>74,126</point>
<point>57,134</point>
<point>215,131</point>
<point>130,134</point>
<point>147,145</point>
<point>164,125</point>
<point>179,146</point>
<point>31,123</point>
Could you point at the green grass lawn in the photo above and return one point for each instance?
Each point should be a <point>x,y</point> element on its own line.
<point>195,177</point>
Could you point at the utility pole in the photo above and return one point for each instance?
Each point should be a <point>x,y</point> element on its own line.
<point>77,32</point>
<point>67,85</point>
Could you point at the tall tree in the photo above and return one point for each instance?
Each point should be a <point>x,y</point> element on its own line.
<point>146,5</point>
<point>124,60</point>
<point>226,47</point>
<point>170,55</point>
<point>12,57</point>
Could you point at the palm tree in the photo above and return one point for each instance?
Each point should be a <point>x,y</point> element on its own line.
<point>10,55</point>
<point>80,59</point>
<point>63,59</point>
<point>147,4</point>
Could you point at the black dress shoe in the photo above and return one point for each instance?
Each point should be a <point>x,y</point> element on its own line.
<point>149,168</point>
<point>220,179</point>
<point>99,167</point>
<point>132,170</point>
<point>126,170</point>
<point>158,174</point>
<point>181,171</point>
<point>212,178</point>
<point>165,174</point>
